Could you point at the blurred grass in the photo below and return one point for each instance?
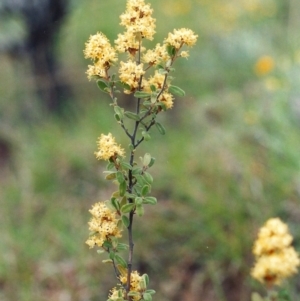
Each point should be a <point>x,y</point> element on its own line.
<point>229,160</point>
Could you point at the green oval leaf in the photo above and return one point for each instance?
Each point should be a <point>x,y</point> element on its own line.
<point>131,115</point>
<point>125,220</point>
<point>112,255</point>
<point>119,111</point>
<point>125,86</point>
<point>146,135</point>
<point>140,94</point>
<point>147,297</point>
<point>120,261</point>
<point>110,165</point>
<point>148,178</point>
<point>126,165</point>
<point>138,200</point>
<point>176,90</point>
<point>153,88</point>
<point>140,210</point>
<point>160,128</point>
<point>150,200</point>
<point>123,200</point>
<point>151,162</point>
<point>102,85</point>
<point>120,177</point>
<point>122,247</point>
<point>117,117</point>
<point>146,279</point>
<point>115,203</point>
<point>171,50</point>
<point>153,98</point>
<point>122,188</point>
<point>127,208</point>
<point>145,190</point>
<point>141,180</point>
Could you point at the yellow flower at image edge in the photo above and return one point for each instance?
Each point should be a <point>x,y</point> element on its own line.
<point>103,225</point>
<point>138,18</point>
<point>276,259</point>
<point>264,65</point>
<point>135,280</point>
<point>273,268</point>
<point>108,148</point>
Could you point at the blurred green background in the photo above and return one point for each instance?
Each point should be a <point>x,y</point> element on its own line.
<point>229,161</point>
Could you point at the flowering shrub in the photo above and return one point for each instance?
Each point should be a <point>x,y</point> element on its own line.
<point>145,75</point>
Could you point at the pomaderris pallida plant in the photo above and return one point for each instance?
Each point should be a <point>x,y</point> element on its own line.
<point>145,74</point>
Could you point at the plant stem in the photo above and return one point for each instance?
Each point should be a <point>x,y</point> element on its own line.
<point>131,184</point>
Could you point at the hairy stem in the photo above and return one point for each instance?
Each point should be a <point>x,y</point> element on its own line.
<point>131,184</point>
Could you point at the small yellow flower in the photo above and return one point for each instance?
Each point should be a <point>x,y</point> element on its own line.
<point>127,42</point>
<point>273,236</point>
<point>108,148</point>
<point>138,19</point>
<point>135,280</point>
<point>276,259</point>
<point>167,98</point>
<point>130,74</point>
<point>96,70</point>
<point>184,54</point>
<point>274,267</point>
<point>157,80</point>
<point>103,225</point>
<point>182,36</point>
<point>264,65</point>
<point>98,49</point>
<point>114,294</point>
<point>157,55</point>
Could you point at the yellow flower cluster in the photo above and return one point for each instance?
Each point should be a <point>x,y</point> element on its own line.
<point>114,294</point>
<point>108,148</point>
<point>135,281</point>
<point>276,259</point>
<point>98,49</point>
<point>156,55</point>
<point>103,225</point>
<point>157,80</point>
<point>130,74</point>
<point>182,36</point>
<point>139,24</point>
